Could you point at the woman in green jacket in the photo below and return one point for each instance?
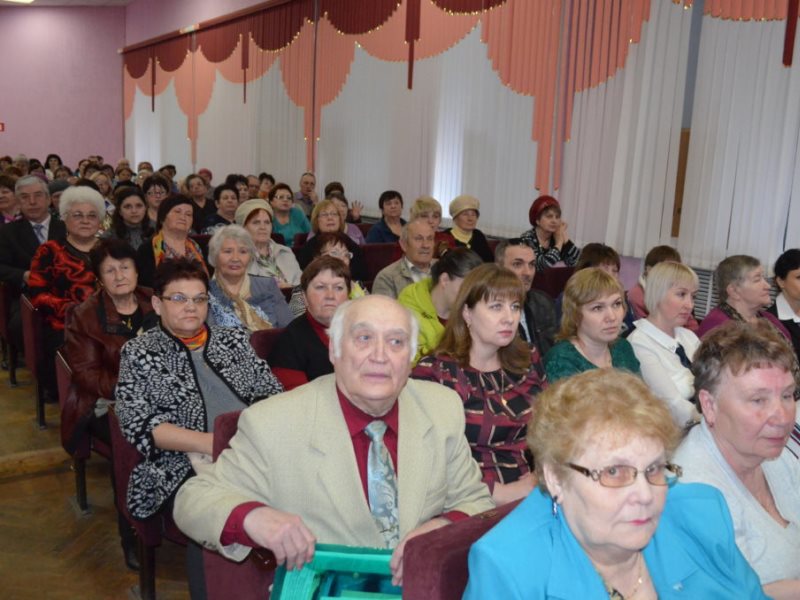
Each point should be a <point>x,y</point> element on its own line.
<point>431,299</point>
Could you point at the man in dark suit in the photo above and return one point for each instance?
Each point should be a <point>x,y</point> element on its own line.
<point>19,241</point>
<point>539,324</point>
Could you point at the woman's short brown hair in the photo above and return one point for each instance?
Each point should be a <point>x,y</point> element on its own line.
<point>739,347</point>
<point>484,283</point>
<point>733,270</point>
<point>586,285</point>
<point>325,263</point>
<point>599,401</point>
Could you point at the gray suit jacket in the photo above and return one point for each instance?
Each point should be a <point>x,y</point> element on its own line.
<point>392,279</point>
<point>293,452</point>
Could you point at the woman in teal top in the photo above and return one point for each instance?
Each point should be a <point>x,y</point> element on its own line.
<point>289,220</point>
<point>609,519</point>
<point>592,314</point>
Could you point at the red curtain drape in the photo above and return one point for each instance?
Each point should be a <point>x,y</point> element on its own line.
<point>356,17</point>
<point>137,61</point>
<point>275,28</point>
<point>218,43</point>
<point>171,54</point>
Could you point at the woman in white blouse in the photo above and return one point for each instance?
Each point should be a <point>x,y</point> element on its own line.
<point>661,341</point>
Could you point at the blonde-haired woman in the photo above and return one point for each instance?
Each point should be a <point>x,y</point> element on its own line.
<point>592,314</point>
<point>663,344</point>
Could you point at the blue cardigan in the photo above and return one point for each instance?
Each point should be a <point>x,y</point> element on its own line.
<point>531,554</point>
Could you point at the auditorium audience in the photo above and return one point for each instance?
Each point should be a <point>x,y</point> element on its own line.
<point>342,205</point>
<point>326,218</point>
<point>94,335</point>
<point>538,323</point>
<point>494,372</point>
<point>306,198</point>
<point>432,299</point>
<point>387,230</point>
<point>272,490</point>
<point>129,222</point>
<point>608,519</point>
<point>288,220</point>
<point>663,345</point>
<point>745,386</point>
<point>787,303</point>
<point>416,242</point>
<point>52,163</point>
<point>204,207</point>
<point>300,354</point>
<point>272,259</point>
<point>171,239</point>
<point>743,292</point>
<point>589,338</point>
<point>61,273</point>
<point>465,211</point>
<point>236,298</point>
<point>548,235</point>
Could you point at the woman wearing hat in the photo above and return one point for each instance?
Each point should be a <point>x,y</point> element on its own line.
<point>548,237</point>
<point>272,259</point>
<point>465,211</point>
<point>171,239</point>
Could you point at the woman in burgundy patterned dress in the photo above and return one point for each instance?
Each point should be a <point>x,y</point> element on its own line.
<point>495,373</point>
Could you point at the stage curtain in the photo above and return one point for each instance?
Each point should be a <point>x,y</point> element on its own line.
<point>743,167</point>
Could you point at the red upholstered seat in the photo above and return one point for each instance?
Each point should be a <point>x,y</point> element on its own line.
<point>32,324</point>
<point>552,281</point>
<point>225,578</point>
<point>378,256</point>
<point>435,564</point>
<point>10,351</point>
<point>263,341</point>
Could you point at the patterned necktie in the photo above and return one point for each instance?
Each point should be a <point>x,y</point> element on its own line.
<point>38,229</point>
<point>682,356</point>
<point>382,485</point>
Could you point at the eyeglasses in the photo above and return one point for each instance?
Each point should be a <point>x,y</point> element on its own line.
<point>328,214</point>
<point>156,192</point>
<point>79,216</point>
<point>181,299</point>
<point>282,197</point>
<point>617,476</point>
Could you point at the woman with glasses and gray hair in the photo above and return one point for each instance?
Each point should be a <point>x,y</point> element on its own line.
<point>744,382</point>
<point>609,519</point>
<point>238,299</point>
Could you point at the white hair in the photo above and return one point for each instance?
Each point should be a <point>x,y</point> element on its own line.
<point>31,180</point>
<point>229,232</point>
<point>336,330</point>
<point>79,194</point>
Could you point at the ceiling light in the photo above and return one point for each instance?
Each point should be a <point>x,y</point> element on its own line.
<point>20,1</point>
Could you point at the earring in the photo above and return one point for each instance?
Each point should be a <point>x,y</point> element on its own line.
<point>555,506</point>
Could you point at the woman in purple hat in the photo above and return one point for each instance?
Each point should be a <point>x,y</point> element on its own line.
<point>548,237</point>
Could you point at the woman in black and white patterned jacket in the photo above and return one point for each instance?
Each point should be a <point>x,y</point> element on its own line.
<point>173,382</point>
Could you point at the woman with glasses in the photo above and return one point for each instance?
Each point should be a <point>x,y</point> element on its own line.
<point>239,299</point>
<point>174,380</point>
<point>156,188</point>
<point>61,274</point>
<point>288,219</point>
<point>744,382</point>
<point>171,239</point>
<point>608,519</point>
<point>272,259</point>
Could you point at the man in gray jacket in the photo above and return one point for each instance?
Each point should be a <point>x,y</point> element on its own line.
<point>417,241</point>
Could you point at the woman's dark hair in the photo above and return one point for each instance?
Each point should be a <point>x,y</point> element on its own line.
<point>233,179</point>
<point>660,254</point>
<point>224,187</point>
<point>334,186</point>
<point>7,181</point>
<point>788,261</point>
<point>168,204</point>
<point>325,263</point>
<point>56,156</point>
<point>88,183</point>
<point>336,196</point>
<point>456,263</point>
<point>267,176</point>
<point>388,195</point>
<point>156,180</point>
<point>276,188</point>
<point>174,269</point>
<point>109,247</point>
<point>596,254</point>
<point>118,226</point>
<point>330,238</point>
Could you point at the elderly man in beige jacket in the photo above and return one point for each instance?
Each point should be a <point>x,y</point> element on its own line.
<point>306,467</point>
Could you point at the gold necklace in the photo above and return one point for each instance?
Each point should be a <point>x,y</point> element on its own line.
<point>615,594</point>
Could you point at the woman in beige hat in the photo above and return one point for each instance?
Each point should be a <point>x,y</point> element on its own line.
<point>465,211</point>
<point>273,259</point>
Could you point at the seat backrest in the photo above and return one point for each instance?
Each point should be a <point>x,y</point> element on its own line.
<point>299,240</point>
<point>31,333</point>
<point>553,280</point>
<point>263,341</point>
<point>6,297</point>
<point>435,563</point>
<point>224,429</point>
<point>378,256</point>
<point>278,237</point>
<point>364,227</point>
